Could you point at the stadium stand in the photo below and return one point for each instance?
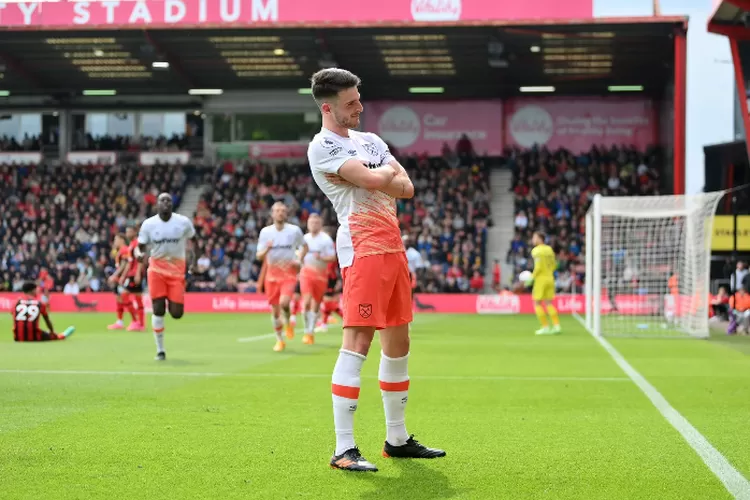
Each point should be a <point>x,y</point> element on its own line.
<point>446,221</point>
<point>553,190</point>
<point>28,143</point>
<point>87,142</point>
<point>64,218</point>
<point>69,230</point>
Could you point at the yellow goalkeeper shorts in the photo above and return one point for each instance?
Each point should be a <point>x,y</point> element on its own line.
<point>544,289</point>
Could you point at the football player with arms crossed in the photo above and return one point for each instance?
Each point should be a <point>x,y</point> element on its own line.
<point>170,238</point>
<point>319,252</point>
<point>362,180</point>
<point>277,248</point>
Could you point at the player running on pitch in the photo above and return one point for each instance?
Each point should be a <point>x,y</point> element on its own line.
<point>362,180</point>
<point>331,298</point>
<point>277,246</point>
<point>543,291</point>
<point>132,279</point>
<point>124,302</point>
<point>26,318</point>
<point>316,256</point>
<point>170,238</point>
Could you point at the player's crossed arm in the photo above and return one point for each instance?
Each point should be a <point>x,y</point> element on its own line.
<point>355,172</point>
<point>400,186</point>
<point>398,183</point>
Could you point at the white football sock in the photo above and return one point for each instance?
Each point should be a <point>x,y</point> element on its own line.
<point>345,385</point>
<point>157,324</point>
<point>394,387</point>
<point>310,317</point>
<point>277,328</point>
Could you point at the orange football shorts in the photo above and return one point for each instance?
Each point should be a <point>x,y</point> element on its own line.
<point>377,291</point>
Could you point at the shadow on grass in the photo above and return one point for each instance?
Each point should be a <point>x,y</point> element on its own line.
<point>417,480</point>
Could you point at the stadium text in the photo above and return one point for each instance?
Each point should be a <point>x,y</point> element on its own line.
<point>144,13</point>
<point>183,13</point>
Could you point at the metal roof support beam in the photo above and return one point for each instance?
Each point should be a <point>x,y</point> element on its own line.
<point>730,31</point>
<point>174,63</point>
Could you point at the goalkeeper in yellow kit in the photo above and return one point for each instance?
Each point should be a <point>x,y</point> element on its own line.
<point>543,291</point>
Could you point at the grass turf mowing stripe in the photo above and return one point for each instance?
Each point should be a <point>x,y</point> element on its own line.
<point>309,375</point>
<point>730,477</point>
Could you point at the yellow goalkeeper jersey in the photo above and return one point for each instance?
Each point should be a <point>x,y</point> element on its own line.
<point>544,262</point>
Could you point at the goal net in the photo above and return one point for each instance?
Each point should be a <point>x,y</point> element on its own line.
<point>647,265</point>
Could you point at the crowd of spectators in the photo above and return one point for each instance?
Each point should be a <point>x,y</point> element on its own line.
<point>446,222</point>
<point>63,219</point>
<point>553,190</point>
<point>86,142</point>
<point>28,143</point>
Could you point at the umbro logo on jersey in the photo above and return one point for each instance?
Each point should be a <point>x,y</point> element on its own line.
<point>371,149</point>
<point>328,143</point>
<point>372,165</point>
<point>352,152</point>
<point>335,151</point>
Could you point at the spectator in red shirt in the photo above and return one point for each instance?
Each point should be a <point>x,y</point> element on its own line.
<point>496,276</point>
<point>477,282</point>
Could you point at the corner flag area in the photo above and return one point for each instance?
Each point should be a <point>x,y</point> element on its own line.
<point>520,416</point>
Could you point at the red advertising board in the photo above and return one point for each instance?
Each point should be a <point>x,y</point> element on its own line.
<point>419,127</point>
<point>424,303</point>
<point>577,124</point>
<point>190,13</point>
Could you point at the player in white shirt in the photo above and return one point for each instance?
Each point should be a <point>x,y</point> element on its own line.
<point>358,174</point>
<point>277,246</point>
<point>169,238</point>
<point>320,251</point>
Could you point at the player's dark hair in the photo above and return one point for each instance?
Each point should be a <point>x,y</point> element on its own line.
<point>327,83</point>
<point>121,235</point>
<point>540,235</point>
<point>28,287</point>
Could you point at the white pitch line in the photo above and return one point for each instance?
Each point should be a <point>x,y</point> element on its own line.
<point>256,338</point>
<point>730,477</point>
<point>488,378</point>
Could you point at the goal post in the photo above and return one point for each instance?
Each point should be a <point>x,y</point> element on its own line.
<point>648,265</point>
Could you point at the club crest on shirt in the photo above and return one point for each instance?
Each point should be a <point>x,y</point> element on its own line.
<point>371,149</point>
<point>328,143</point>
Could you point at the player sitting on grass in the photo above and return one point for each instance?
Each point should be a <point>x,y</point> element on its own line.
<point>543,279</point>
<point>26,318</point>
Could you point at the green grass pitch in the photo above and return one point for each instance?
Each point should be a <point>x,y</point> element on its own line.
<point>521,417</point>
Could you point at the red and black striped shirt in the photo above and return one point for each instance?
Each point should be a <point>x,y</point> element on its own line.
<point>26,320</point>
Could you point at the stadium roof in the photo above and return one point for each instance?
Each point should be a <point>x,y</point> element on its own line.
<point>467,60</point>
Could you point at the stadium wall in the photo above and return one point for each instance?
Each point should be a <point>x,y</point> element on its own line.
<point>423,303</point>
